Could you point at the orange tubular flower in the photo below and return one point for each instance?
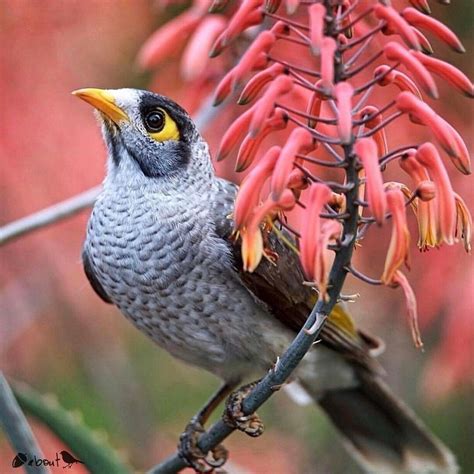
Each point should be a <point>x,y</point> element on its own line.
<point>343,93</point>
<point>252,248</point>
<point>396,52</point>
<point>398,250</point>
<point>249,191</point>
<point>426,211</point>
<point>300,141</point>
<point>429,157</point>
<point>319,196</point>
<point>400,279</point>
<point>252,240</point>
<point>366,150</point>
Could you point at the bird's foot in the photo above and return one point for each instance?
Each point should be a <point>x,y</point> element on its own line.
<point>233,415</point>
<point>189,450</point>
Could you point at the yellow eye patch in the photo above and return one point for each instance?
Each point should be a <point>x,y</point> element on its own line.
<point>160,126</point>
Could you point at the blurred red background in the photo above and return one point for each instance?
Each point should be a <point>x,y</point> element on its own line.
<point>58,336</point>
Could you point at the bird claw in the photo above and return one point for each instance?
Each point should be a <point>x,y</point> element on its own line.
<point>189,450</point>
<point>234,417</point>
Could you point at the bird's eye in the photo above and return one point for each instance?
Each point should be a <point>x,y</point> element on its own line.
<point>155,121</point>
<point>160,126</point>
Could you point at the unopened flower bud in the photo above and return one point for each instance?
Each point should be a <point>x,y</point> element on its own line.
<point>426,191</point>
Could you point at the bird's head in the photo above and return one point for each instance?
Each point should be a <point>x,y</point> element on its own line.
<point>144,131</point>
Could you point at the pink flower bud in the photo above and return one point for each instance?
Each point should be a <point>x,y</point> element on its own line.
<point>328,49</point>
<point>366,150</point>
<point>426,190</point>
<point>396,23</point>
<point>343,92</point>
<point>450,73</point>
<point>261,44</point>
<point>464,223</point>
<point>422,113</point>
<point>396,52</point>
<point>379,136</point>
<point>235,133</point>
<point>421,5</point>
<point>317,13</point>
<point>223,89</point>
<point>291,6</point>
<point>195,56</point>
<point>428,156</point>
<point>424,43</point>
<point>330,230</point>
<point>400,241</point>
<point>258,82</point>
<point>248,14</point>
<point>398,79</point>
<point>297,180</point>
<point>299,141</point>
<point>250,145</point>
<point>318,196</point>
<point>415,18</point>
<point>264,107</point>
<point>249,191</point>
<point>167,39</point>
<point>400,279</point>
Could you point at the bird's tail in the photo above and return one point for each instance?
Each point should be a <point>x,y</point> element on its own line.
<point>382,433</point>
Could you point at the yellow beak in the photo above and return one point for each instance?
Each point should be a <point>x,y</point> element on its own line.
<point>103,101</point>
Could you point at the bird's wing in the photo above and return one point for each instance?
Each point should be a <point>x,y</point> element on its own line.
<point>280,286</point>
<point>91,276</point>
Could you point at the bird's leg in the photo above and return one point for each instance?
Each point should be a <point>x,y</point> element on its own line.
<point>188,448</point>
<point>233,415</point>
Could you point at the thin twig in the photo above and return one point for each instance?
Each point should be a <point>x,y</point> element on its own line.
<point>49,215</point>
<point>17,429</point>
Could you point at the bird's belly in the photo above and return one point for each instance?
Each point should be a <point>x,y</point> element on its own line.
<point>177,286</point>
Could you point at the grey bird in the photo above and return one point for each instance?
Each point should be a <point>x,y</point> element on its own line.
<point>159,247</point>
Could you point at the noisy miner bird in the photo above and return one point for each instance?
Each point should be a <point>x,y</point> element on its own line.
<point>159,247</point>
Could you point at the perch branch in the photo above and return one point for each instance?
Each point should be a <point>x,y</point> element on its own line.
<point>17,429</point>
<point>302,342</point>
